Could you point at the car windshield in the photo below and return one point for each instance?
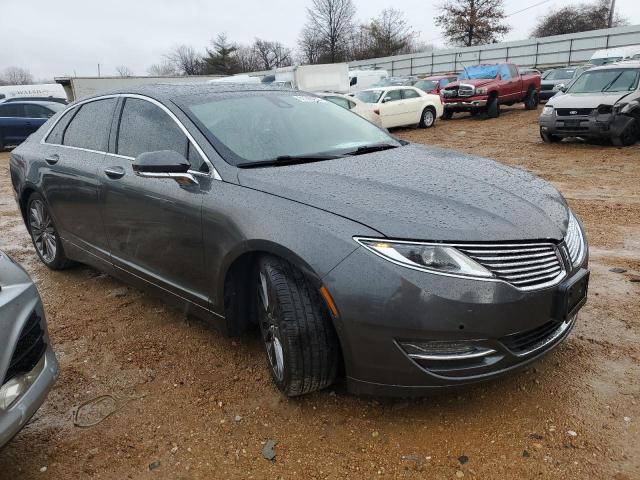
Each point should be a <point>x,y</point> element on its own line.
<point>369,96</point>
<point>269,126</point>
<point>611,80</point>
<point>479,71</point>
<point>426,85</point>
<point>561,74</point>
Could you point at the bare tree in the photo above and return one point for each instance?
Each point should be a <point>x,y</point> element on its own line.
<point>247,60</point>
<point>309,46</point>
<point>16,76</point>
<point>330,25</point>
<point>271,54</point>
<point>472,22</point>
<point>577,18</point>
<point>163,69</point>
<point>124,71</point>
<point>186,60</point>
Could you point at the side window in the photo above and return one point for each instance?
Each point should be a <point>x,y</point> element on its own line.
<point>145,127</point>
<point>513,71</point>
<point>343,102</point>
<point>36,111</point>
<point>11,110</point>
<point>351,104</point>
<point>57,132</point>
<point>406,93</point>
<point>196,161</point>
<point>505,74</point>
<point>90,126</point>
<point>392,96</point>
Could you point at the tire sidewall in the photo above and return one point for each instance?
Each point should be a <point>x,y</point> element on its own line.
<point>59,260</point>
<point>426,111</point>
<point>493,108</point>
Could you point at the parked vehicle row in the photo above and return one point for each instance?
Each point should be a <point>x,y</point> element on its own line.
<point>20,118</point>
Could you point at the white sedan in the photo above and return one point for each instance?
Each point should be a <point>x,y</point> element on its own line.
<point>355,105</point>
<point>402,106</point>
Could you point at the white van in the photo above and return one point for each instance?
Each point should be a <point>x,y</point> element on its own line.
<point>42,90</point>
<point>363,79</point>
<point>611,55</point>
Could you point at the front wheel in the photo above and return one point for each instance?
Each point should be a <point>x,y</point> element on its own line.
<point>532,100</point>
<point>447,114</point>
<point>44,235</point>
<point>297,332</point>
<point>549,137</point>
<point>428,118</point>
<point>629,135</point>
<point>493,108</point>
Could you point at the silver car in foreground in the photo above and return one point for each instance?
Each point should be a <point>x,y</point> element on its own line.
<point>28,366</point>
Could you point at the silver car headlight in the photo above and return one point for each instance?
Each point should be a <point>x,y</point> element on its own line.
<point>575,240</point>
<point>428,257</point>
<point>547,110</point>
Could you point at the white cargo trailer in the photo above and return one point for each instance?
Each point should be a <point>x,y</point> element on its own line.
<point>330,77</point>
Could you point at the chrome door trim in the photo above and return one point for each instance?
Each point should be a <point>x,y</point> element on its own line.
<point>213,172</point>
<point>181,178</point>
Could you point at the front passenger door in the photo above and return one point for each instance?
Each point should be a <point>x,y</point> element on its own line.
<point>153,225</point>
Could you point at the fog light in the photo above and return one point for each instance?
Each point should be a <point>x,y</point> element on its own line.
<point>443,350</point>
<point>19,384</point>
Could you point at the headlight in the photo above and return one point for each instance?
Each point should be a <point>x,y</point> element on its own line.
<point>575,241</point>
<point>547,110</point>
<point>617,108</point>
<point>481,91</point>
<point>428,257</point>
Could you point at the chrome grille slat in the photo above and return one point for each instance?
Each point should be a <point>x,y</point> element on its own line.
<point>526,266</point>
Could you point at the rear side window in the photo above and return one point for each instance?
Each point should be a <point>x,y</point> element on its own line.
<point>144,127</point>
<point>410,93</point>
<point>90,127</point>
<point>513,71</point>
<point>11,110</point>
<point>37,111</point>
<point>392,96</point>
<point>57,133</point>
<point>343,102</point>
<point>505,73</point>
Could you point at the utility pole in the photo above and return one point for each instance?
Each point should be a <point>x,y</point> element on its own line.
<point>611,10</point>
<point>98,69</point>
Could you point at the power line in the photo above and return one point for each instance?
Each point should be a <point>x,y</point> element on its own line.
<point>528,8</point>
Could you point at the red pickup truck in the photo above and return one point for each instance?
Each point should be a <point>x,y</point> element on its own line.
<point>483,88</point>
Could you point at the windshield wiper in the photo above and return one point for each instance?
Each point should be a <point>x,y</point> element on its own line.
<point>287,160</point>
<point>608,85</point>
<point>375,147</point>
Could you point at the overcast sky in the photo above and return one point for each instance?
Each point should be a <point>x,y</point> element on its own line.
<point>56,38</point>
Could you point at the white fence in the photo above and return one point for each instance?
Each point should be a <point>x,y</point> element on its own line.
<point>545,52</point>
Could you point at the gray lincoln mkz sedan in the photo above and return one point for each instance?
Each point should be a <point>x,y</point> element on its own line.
<point>403,267</point>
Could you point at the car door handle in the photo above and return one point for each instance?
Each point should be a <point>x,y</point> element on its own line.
<point>114,172</point>
<point>52,159</point>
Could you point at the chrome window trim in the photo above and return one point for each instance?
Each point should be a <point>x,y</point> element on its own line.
<point>554,281</point>
<point>213,171</point>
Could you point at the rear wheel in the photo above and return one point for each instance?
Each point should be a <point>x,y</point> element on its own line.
<point>532,100</point>
<point>297,332</point>
<point>428,118</point>
<point>44,234</point>
<point>493,107</point>
<point>629,135</point>
<point>447,114</point>
<point>549,138</point>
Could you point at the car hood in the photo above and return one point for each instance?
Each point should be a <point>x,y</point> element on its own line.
<point>586,100</point>
<point>423,193</point>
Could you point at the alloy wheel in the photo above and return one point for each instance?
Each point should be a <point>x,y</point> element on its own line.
<point>270,329</point>
<point>428,118</point>
<point>42,231</point>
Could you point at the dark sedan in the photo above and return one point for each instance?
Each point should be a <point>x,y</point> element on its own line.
<point>403,267</point>
<point>19,119</point>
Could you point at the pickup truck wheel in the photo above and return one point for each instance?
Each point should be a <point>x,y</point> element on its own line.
<point>447,114</point>
<point>549,137</point>
<point>532,99</point>
<point>44,234</point>
<point>428,118</point>
<point>629,135</point>
<point>301,345</point>
<point>493,108</point>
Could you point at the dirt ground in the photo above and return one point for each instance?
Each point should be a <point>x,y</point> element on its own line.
<point>193,404</point>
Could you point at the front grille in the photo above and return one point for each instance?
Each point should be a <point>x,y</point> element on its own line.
<point>527,266</point>
<point>29,348</point>
<point>450,92</point>
<point>567,112</point>
<point>531,340</point>
<point>466,91</point>
<point>577,128</point>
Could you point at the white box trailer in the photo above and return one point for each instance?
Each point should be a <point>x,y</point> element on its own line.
<point>330,77</point>
<point>40,90</point>
<point>79,87</point>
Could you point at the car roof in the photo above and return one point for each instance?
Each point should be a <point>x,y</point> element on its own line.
<point>172,91</point>
<point>391,87</point>
<point>630,64</point>
<point>45,103</point>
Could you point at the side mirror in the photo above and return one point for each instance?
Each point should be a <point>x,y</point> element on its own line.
<point>162,161</point>
<point>164,164</point>
<point>386,99</point>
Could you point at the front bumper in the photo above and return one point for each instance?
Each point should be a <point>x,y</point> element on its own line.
<point>591,126</point>
<point>385,306</point>
<point>458,105</point>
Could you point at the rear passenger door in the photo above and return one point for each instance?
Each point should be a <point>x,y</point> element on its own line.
<point>413,102</point>
<point>73,151</point>
<point>34,117</point>
<point>11,123</point>
<point>154,225</point>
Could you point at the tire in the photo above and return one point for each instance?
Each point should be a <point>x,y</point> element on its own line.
<point>1,142</point>
<point>532,99</point>
<point>428,118</point>
<point>549,137</point>
<point>301,344</point>
<point>447,114</point>
<point>629,135</point>
<point>493,108</point>
<point>44,235</point>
